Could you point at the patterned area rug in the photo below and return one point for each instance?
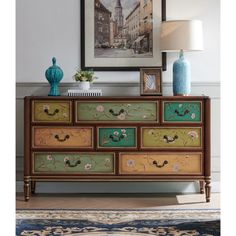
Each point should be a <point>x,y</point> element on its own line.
<point>118,222</point>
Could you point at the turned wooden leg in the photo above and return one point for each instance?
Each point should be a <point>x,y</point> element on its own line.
<point>33,186</point>
<point>208,189</point>
<point>201,183</point>
<point>27,188</point>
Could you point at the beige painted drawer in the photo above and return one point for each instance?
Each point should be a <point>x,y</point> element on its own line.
<point>160,163</point>
<point>171,137</point>
<point>52,111</point>
<point>62,137</point>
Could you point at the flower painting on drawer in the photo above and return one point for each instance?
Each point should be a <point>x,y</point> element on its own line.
<point>62,137</point>
<point>80,163</point>
<point>171,137</point>
<point>182,112</point>
<point>160,163</point>
<point>48,111</point>
<point>116,137</point>
<point>117,111</point>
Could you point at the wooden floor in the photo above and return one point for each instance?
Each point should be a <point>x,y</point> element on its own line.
<point>118,201</point>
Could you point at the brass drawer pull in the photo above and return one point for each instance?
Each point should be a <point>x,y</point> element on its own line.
<point>116,114</point>
<point>51,114</point>
<point>182,114</point>
<point>155,163</point>
<point>170,139</point>
<point>62,140</point>
<point>67,163</point>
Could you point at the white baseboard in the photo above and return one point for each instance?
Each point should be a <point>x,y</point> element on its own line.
<point>114,187</point>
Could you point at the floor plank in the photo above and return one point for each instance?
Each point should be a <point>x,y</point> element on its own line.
<point>118,201</point>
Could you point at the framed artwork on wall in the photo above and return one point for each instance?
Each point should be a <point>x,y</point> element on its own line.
<point>151,81</point>
<point>121,35</point>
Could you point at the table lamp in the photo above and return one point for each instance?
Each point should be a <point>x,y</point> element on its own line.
<point>181,35</point>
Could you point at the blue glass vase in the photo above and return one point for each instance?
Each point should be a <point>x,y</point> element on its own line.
<point>181,76</point>
<point>54,75</point>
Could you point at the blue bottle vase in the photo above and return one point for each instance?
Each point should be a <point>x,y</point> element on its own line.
<point>181,76</point>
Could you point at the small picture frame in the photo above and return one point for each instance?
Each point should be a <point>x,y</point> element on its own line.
<point>151,81</point>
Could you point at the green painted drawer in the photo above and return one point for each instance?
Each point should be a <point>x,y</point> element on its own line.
<point>126,111</point>
<point>116,137</point>
<point>152,137</point>
<point>71,163</point>
<point>190,111</point>
<point>51,111</point>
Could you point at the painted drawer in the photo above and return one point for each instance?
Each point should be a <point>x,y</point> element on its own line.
<point>152,137</point>
<point>189,112</point>
<point>160,163</point>
<point>116,137</point>
<point>126,111</point>
<point>71,163</point>
<point>51,111</point>
<point>62,137</point>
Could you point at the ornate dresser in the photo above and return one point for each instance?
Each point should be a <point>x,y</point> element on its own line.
<point>117,139</point>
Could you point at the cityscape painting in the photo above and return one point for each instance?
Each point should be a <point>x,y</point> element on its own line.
<point>123,28</point>
<point>121,35</point>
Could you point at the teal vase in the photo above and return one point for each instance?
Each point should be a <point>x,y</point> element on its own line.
<point>54,75</point>
<point>181,76</point>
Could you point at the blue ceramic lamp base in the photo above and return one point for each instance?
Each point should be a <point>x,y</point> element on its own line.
<point>181,76</point>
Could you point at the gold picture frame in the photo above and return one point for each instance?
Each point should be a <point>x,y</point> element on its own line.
<point>151,81</point>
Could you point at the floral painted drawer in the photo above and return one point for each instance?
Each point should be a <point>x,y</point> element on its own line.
<point>79,163</point>
<point>62,137</point>
<point>127,111</point>
<point>182,111</point>
<point>152,137</point>
<point>51,111</point>
<point>116,137</point>
<point>160,163</point>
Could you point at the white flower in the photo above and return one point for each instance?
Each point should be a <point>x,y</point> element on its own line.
<point>46,107</point>
<point>150,131</point>
<point>88,166</point>
<point>66,159</point>
<point>124,135</point>
<point>175,168</point>
<point>116,133</point>
<point>193,116</point>
<point>193,134</point>
<point>144,116</point>
<point>123,131</point>
<point>107,160</point>
<point>128,105</point>
<point>49,157</point>
<point>100,108</point>
<point>131,163</point>
<point>121,116</point>
<point>180,105</point>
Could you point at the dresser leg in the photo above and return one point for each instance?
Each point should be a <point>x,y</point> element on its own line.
<point>27,188</point>
<point>33,186</point>
<point>208,189</point>
<point>201,183</point>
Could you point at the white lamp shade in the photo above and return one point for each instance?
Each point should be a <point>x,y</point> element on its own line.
<point>186,35</point>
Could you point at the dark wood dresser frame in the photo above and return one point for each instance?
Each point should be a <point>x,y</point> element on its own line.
<point>30,178</point>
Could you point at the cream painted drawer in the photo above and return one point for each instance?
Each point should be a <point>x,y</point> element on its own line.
<point>171,137</point>
<point>81,163</point>
<point>51,111</point>
<point>62,137</point>
<point>150,163</point>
